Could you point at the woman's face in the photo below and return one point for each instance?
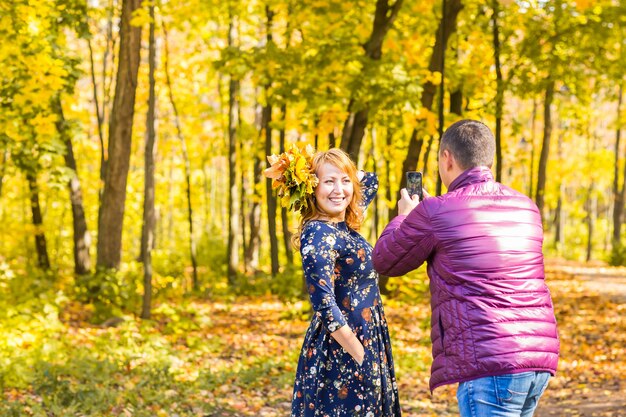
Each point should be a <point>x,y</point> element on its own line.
<point>334,191</point>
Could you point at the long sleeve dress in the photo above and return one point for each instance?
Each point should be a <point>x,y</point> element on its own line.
<point>343,289</point>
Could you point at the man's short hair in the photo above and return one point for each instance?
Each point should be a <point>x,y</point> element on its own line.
<point>470,142</point>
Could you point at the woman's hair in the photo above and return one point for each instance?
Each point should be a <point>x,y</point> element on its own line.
<point>354,212</point>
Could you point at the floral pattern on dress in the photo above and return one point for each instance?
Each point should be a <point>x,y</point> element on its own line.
<point>343,289</point>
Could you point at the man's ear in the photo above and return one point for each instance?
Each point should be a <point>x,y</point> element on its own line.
<point>447,159</point>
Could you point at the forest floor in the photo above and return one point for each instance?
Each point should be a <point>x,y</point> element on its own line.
<point>590,304</point>
<point>592,381</point>
<point>236,357</point>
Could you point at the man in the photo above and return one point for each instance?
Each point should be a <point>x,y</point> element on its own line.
<point>493,329</point>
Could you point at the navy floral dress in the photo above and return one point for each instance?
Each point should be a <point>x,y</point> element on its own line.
<point>343,288</point>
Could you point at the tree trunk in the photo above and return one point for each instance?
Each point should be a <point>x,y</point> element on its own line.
<point>591,209</point>
<point>374,204</point>
<point>40,238</point>
<point>82,237</point>
<point>111,41</point>
<point>618,207</point>
<point>206,187</point>
<point>532,148</point>
<point>147,234</point>
<point>383,280</point>
<point>283,211</point>
<point>559,215</point>
<point>440,106</point>
<point>545,147</point>
<point>607,236</point>
<point>106,90</point>
<point>425,159</point>
<point>243,198</point>
<point>558,220</point>
<point>271,199</point>
<point>499,101</point>
<point>284,217</point>
<point>233,209</point>
<point>446,27</point>
<point>456,101</point>
<point>170,203</point>
<point>100,120</point>
<point>5,155</point>
<point>388,144</point>
<point>354,130</point>
<point>254,241</point>
<point>332,140</point>
<point>354,127</point>
<point>110,225</point>
<point>251,254</point>
<point>183,147</point>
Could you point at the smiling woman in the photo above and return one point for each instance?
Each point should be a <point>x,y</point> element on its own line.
<point>340,173</point>
<point>345,366</point>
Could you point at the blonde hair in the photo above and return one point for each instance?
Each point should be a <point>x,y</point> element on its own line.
<point>354,211</point>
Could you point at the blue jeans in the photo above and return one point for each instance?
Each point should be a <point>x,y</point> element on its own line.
<point>512,395</point>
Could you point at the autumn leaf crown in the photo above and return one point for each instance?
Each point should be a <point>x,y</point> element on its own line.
<point>292,176</point>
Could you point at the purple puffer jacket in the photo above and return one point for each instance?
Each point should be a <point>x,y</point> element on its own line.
<point>492,312</point>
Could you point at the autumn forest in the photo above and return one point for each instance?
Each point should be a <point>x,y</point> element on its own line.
<point>146,265</point>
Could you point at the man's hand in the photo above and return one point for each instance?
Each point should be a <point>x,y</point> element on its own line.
<point>407,203</point>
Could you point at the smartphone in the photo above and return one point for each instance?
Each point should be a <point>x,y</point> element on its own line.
<point>414,183</point>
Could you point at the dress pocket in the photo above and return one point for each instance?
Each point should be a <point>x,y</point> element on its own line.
<point>370,370</point>
<point>358,371</point>
<point>355,361</point>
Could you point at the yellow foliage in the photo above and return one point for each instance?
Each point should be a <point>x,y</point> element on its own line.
<point>141,17</point>
<point>430,119</point>
<point>433,77</point>
<point>584,4</point>
<point>331,118</point>
<point>44,124</point>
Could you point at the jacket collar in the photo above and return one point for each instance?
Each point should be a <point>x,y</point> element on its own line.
<point>471,176</point>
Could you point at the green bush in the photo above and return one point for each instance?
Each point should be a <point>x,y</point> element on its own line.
<point>617,256</point>
<point>111,292</point>
<point>288,284</point>
<point>170,263</point>
<point>211,253</point>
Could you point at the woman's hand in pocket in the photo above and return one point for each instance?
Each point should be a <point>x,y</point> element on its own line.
<point>350,343</point>
<point>360,355</point>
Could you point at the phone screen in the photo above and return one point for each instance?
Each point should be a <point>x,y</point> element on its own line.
<point>414,183</point>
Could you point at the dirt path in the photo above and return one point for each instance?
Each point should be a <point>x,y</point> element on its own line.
<point>573,393</point>
<point>607,281</point>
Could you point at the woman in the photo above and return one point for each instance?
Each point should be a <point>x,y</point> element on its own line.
<point>345,367</point>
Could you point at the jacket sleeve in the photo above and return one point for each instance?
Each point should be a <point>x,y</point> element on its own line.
<point>319,253</point>
<point>405,244</point>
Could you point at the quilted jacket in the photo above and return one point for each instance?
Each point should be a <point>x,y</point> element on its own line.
<point>492,312</point>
